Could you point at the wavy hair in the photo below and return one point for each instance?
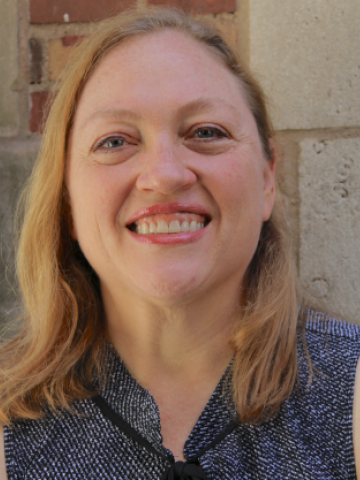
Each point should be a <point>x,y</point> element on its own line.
<point>59,349</point>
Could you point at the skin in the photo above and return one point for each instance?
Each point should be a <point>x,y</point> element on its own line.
<point>170,310</point>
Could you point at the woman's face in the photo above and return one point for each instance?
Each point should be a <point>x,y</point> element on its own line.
<point>163,139</point>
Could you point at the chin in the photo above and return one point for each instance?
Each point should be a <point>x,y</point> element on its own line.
<point>171,290</point>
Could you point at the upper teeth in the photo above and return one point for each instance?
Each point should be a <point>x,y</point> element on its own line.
<point>173,227</point>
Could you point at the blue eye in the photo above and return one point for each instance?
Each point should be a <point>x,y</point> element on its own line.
<point>113,143</point>
<point>205,133</point>
<point>110,143</point>
<point>209,133</point>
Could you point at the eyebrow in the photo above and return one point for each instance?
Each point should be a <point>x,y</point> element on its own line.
<point>205,103</point>
<point>114,113</point>
<point>200,104</point>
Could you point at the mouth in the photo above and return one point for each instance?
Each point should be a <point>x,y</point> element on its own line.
<point>165,224</point>
<point>168,220</point>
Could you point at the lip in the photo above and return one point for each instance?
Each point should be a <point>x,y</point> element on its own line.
<point>175,207</point>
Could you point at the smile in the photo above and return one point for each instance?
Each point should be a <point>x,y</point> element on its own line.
<point>165,224</point>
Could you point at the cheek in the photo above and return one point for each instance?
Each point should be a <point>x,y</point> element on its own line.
<point>97,196</point>
<point>239,184</point>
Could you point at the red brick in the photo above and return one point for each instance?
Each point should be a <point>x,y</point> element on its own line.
<point>71,40</point>
<point>59,52</point>
<point>53,11</point>
<point>200,7</point>
<point>38,110</point>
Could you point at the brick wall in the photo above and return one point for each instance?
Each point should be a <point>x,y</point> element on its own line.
<point>306,55</point>
<point>37,37</point>
<point>55,26</point>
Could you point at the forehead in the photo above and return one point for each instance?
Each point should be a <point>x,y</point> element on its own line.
<point>167,67</point>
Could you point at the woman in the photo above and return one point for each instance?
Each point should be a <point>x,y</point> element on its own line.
<point>158,284</point>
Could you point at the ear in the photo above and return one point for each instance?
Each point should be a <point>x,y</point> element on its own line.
<point>269,182</point>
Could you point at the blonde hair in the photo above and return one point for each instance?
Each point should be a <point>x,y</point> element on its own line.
<point>55,356</point>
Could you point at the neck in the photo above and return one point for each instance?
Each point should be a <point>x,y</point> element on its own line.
<point>184,342</point>
<point>172,350</point>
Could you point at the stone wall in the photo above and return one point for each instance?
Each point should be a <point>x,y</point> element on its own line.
<point>306,55</point>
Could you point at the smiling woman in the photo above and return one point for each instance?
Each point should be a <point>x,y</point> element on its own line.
<point>163,335</point>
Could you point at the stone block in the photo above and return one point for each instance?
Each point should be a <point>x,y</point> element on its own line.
<point>307,56</point>
<point>8,67</point>
<point>38,104</point>
<point>287,173</point>
<point>59,52</point>
<point>199,7</point>
<point>65,11</point>
<point>243,16</point>
<point>16,160</point>
<point>329,185</point>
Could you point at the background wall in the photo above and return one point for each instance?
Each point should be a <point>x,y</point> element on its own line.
<point>306,54</point>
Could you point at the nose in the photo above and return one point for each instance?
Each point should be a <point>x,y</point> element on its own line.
<point>164,171</point>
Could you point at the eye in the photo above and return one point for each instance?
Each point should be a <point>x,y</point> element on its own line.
<point>209,133</point>
<point>110,143</point>
<point>113,143</point>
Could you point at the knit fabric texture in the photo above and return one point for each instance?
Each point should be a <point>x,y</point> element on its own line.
<point>310,437</point>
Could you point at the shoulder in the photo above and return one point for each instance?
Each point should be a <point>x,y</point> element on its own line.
<point>332,344</point>
<point>3,475</point>
<point>333,348</point>
<point>325,325</point>
<point>55,437</point>
<point>322,410</point>
<point>356,420</point>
